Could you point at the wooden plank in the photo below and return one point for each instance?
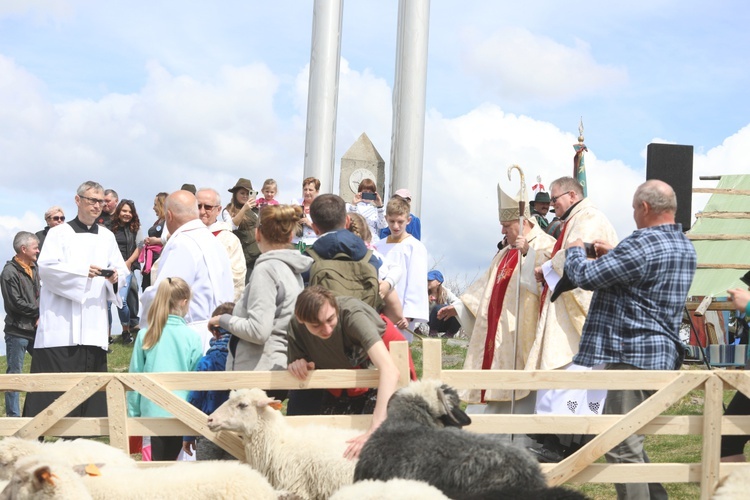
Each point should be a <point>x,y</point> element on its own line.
<point>723,266</point>
<point>713,409</point>
<point>723,215</point>
<point>715,306</point>
<point>743,192</point>
<point>635,473</point>
<point>717,237</point>
<point>400,354</point>
<point>184,411</point>
<point>62,406</point>
<point>626,426</point>
<point>117,411</point>
<point>739,380</point>
<point>558,379</point>
<point>571,424</point>
<point>432,359</point>
<point>44,382</point>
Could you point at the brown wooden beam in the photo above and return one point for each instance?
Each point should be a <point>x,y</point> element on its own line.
<point>744,192</point>
<point>723,215</point>
<point>718,237</point>
<point>723,266</point>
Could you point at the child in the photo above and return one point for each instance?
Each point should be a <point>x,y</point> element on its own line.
<point>215,360</point>
<point>167,344</point>
<point>441,299</point>
<point>388,275</point>
<point>402,250</point>
<point>268,190</point>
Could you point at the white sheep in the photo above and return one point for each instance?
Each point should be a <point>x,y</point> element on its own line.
<point>308,461</point>
<point>736,485</point>
<point>420,440</point>
<point>395,489</point>
<point>77,451</point>
<point>39,478</point>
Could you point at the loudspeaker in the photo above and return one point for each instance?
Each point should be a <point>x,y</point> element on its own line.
<point>673,164</point>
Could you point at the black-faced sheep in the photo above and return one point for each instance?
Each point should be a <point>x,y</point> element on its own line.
<point>421,439</point>
<point>36,477</point>
<point>308,461</point>
<point>77,451</point>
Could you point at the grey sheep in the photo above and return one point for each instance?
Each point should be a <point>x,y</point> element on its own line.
<point>422,439</point>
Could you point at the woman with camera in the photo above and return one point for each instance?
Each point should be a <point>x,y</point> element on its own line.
<point>368,204</point>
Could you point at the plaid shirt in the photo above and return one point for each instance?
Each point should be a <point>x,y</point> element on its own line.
<point>640,288</point>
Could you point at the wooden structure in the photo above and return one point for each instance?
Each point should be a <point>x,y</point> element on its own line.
<point>647,418</point>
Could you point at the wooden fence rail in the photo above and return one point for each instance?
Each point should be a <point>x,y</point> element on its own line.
<point>647,418</point>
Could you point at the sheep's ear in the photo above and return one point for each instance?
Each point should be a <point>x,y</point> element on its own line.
<point>88,469</point>
<point>454,416</point>
<point>276,405</point>
<point>44,475</point>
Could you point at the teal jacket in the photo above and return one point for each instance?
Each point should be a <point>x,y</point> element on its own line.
<point>179,349</point>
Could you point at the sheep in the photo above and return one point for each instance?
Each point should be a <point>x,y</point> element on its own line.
<point>394,489</point>
<point>735,485</point>
<point>308,461</point>
<point>78,451</point>
<point>39,478</point>
<point>421,439</point>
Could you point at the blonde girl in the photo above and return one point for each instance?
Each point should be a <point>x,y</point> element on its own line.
<point>167,344</point>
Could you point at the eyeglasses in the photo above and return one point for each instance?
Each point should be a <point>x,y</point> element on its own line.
<point>555,198</point>
<point>58,218</point>
<point>92,201</point>
<point>208,208</point>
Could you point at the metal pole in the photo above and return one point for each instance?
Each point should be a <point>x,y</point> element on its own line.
<point>521,209</point>
<point>322,93</point>
<point>409,90</point>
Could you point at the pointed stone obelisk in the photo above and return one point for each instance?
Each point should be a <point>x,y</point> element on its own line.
<point>361,161</point>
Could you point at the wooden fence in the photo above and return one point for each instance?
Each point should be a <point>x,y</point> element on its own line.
<point>647,418</point>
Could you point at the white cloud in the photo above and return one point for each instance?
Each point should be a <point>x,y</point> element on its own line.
<point>520,65</point>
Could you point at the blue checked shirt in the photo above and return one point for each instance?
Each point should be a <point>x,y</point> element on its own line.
<point>640,288</point>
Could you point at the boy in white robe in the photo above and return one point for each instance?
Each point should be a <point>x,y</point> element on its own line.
<point>405,251</point>
<point>75,268</point>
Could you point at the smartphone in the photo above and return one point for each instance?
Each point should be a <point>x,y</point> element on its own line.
<point>590,250</point>
<point>369,196</point>
<point>106,272</point>
<point>252,194</point>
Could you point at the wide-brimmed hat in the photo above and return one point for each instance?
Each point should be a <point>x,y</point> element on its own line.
<point>507,207</point>
<point>242,183</point>
<point>542,197</point>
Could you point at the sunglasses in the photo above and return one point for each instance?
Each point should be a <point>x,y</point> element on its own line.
<point>208,208</point>
<point>555,198</point>
<point>58,218</point>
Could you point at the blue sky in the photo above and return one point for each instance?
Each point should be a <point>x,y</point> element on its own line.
<point>143,96</point>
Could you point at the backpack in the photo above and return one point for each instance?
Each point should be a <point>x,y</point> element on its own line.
<point>346,277</point>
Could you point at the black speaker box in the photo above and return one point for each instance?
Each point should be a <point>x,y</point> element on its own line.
<point>673,164</point>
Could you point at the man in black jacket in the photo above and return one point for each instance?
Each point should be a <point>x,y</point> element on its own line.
<point>20,287</point>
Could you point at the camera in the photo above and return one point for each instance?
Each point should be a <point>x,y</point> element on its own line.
<point>590,250</point>
<point>106,272</point>
<point>369,196</point>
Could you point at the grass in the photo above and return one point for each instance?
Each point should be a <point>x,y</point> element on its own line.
<point>661,448</point>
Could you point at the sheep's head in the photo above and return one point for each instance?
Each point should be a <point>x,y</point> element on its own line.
<point>36,477</point>
<point>240,413</point>
<point>13,448</point>
<point>439,400</point>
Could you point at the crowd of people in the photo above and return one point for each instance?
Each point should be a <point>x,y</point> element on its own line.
<point>308,285</point>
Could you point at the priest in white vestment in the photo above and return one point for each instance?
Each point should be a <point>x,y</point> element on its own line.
<point>209,206</point>
<point>493,300</point>
<point>560,325</point>
<point>195,255</point>
<point>80,268</point>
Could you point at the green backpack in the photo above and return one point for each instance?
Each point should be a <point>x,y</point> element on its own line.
<point>346,277</point>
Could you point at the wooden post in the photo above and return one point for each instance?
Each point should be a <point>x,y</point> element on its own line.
<point>400,355</point>
<point>117,411</point>
<point>432,359</point>
<point>712,413</point>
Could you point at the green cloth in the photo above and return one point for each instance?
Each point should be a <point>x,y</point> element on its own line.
<point>179,349</point>
<point>716,282</point>
<point>359,328</point>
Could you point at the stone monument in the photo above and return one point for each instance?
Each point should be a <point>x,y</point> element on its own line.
<point>361,161</point>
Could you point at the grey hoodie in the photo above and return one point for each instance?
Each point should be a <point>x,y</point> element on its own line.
<point>261,317</point>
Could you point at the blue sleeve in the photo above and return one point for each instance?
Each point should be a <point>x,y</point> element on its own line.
<point>415,227</point>
<point>621,265</point>
<point>384,233</point>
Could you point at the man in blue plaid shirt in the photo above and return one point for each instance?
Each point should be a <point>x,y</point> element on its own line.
<point>640,287</point>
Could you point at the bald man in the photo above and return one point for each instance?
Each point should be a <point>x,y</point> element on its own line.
<point>640,287</point>
<point>193,254</point>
